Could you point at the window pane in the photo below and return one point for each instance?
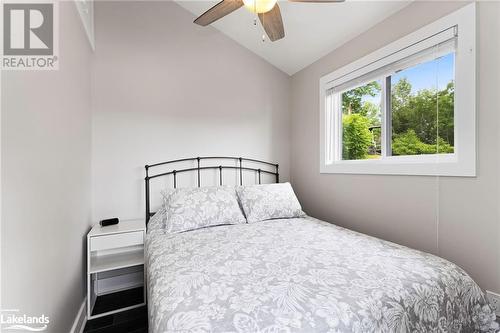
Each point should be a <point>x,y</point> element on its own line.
<point>422,103</point>
<point>361,121</point>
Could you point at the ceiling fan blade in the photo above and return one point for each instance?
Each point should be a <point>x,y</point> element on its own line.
<point>218,11</point>
<point>317,1</point>
<point>273,24</point>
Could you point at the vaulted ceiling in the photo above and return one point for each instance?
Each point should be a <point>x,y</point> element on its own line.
<point>312,30</point>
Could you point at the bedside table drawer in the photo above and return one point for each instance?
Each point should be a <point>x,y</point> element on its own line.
<point>116,241</point>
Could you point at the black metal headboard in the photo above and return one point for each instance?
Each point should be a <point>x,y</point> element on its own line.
<point>237,160</point>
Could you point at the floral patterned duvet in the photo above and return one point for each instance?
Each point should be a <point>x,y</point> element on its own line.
<point>303,275</point>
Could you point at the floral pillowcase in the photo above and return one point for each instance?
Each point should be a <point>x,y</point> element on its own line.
<point>194,208</point>
<point>269,201</point>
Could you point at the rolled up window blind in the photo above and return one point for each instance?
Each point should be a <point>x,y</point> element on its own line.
<point>425,50</point>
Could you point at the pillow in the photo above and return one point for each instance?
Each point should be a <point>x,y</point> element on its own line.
<point>269,201</point>
<point>194,208</point>
<point>165,195</point>
<point>156,221</point>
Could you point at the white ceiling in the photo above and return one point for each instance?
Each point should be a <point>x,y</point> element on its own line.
<point>312,30</point>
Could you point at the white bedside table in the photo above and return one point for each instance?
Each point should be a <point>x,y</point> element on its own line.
<point>115,268</point>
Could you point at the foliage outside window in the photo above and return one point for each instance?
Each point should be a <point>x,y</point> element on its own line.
<point>361,120</point>
<point>421,112</point>
<point>407,108</point>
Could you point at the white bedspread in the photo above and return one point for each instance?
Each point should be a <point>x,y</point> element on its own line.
<point>303,275</point>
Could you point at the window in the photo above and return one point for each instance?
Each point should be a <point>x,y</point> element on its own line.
<point>422,108</point>
<point>420,111</point>
<point>408,108</point>
<point>361,121</point>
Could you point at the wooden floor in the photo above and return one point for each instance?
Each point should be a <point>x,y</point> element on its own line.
<point>132,321</point>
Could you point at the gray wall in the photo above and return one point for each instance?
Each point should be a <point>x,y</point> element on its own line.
<point>165,88</point>
<point>45,146</point>
<point>457,218</point>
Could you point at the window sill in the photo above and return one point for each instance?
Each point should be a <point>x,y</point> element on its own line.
<point>448,165</point>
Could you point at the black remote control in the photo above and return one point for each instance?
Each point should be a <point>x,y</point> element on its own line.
<point>106,222</point>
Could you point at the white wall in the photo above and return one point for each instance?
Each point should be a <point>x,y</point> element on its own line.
<point>45,147</point>
<point>165,88</point>
<point>457,218</point>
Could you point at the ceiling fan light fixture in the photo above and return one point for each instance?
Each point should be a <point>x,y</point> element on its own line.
<point>271,21</point>
<point>259,6</point>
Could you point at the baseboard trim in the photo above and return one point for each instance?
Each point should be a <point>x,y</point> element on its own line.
<point>80,319</point>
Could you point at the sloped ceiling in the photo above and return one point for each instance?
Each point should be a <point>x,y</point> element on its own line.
<point>312,30</point>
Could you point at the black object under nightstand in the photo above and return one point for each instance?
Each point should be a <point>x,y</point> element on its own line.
<point>131,321</point>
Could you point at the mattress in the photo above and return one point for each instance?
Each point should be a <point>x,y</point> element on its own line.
<point>303,275</point>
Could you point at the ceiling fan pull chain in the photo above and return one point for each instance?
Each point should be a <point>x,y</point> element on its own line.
<point>255,11</point>
<point>263,35</point>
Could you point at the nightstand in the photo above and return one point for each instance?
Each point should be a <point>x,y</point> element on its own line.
<point>115,268</point>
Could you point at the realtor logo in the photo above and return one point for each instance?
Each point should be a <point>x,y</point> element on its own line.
<point>29,36</point>
<point>13,319</point>
<point>28,29</point>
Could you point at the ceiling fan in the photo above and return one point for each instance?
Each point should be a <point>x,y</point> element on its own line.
<point>272,22</point>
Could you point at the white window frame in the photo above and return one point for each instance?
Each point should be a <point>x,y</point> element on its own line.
<point>463,161</point>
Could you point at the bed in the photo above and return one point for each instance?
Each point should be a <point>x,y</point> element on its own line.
<point>302,275</point>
